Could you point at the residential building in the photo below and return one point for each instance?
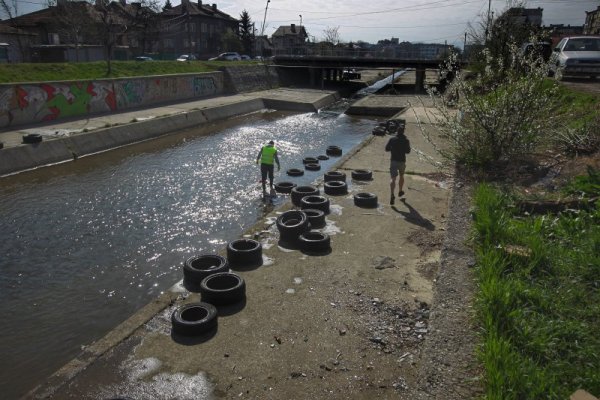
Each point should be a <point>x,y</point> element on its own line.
<point>194,28</point>
<point>14,44</point>
<point>290,39</point>
<point>592,22</point>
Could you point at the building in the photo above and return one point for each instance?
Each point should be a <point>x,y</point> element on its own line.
<point>290,40</point>
<point>559,31</point>
<point>194,28</point>
<point>592,22</point>
<point>14,44</point>
<point>525,16</point>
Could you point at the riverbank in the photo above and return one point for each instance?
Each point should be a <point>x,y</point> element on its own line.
<point>68,141</point>
<point>350,324</point>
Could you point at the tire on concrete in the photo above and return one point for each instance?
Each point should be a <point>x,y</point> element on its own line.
<point>315,242</point>
<point>291,224</point>
<point>310,160</point>
<point>362,175</point>
<point>32,138</point>
<point>244,253</point>
<point>315,202</point>
<point>196,268</point>
<point>333,151</point>
<point>312,167</point>
<point>194,319</point>
<point>322,157</point>
<point>223,288</point>
<point>365,200</point>
<point>284,187</point>
<point>334,176</point>
<point>335,188</point>
<point>295,172</point>
<point>316,218</point>
<point>300,191</point>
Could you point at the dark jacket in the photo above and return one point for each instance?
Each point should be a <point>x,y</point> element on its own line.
<point>399,146</point>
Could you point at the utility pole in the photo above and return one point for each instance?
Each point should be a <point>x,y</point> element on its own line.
<point>262,30</point>
<point>487,25</point>
<point>300,19</point>
<point>465,46</point>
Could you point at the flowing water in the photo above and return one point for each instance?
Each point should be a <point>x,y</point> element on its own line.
<point>85,244</point>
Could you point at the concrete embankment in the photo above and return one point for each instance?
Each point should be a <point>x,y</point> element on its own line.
<point>346,324</point>
<point>69,140</point>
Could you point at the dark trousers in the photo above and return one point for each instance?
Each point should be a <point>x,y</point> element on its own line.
<point>266,169</point>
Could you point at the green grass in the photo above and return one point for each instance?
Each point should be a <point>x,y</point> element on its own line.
<point>538,306</point>
<point>39,72</point>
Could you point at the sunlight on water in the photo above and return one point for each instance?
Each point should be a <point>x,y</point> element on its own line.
<point>86,244</point>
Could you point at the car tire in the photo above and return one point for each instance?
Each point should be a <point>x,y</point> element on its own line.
<point>315,242</point>
<point>335,188</point>
<point>310,160</point>
<point>292,224</point>
<point>333,151</point>
<point>362,175</point>
<point>300,191</point>
<point>295,172</point>
<point>196,268</point>
<point>312,167</point>
<point>334,176</point>
<point>316,218</point>
<point>365,200</point>
<point>222,289</point>
<point>284,187</point>
<point>244,253</point>
<point>323,157</point>
<point>32,138</point>
<point>315,202</point>
<point>194,319</point>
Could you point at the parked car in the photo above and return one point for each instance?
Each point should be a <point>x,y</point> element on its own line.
<point>245,57</point>
<point>143,58</point>
<point>230,56</point>
<point>576,56</point>
<point>348,74</point>
<point>542,50</point>
<point>186,57</point>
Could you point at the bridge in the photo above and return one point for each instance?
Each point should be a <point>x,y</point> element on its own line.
<point>329,65</point>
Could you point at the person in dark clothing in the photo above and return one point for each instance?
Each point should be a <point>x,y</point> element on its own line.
<point>266,156</point>
<point>399,147</point>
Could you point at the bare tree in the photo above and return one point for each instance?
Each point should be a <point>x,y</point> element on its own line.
<point>73,18</point>
<point>111,26</point>
<point>332,35</point>
<point>11,10</point>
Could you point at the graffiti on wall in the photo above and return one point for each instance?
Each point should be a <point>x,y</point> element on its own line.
<point>25,104</point>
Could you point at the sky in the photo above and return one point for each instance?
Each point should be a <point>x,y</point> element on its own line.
<point>428,21</point>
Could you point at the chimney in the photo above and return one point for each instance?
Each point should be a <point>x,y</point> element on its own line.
<point>214,7</point>
<point>293,28</point>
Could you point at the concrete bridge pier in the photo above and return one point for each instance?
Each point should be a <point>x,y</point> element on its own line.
<point>420,80</point>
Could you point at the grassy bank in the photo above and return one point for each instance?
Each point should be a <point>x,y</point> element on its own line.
<point>539,297</point>
<point>13,73</point>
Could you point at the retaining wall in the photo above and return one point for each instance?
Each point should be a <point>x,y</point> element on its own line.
<point>240,79</point>
<point>29,103</point>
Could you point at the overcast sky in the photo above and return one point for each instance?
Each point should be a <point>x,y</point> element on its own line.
<point>372,20</point>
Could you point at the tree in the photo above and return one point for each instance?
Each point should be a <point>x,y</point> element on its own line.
<point>332,35</point>
<point>230,41</point>
<point>73,18</point>
<point>11,10</point>
<point>110,28</point>
<point>246,33</point>
<point>168,5</point>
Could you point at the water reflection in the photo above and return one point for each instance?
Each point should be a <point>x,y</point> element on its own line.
<point>85,244</point>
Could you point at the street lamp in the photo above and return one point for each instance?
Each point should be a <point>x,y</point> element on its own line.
<point>262,30</point>
<point>300,19</point>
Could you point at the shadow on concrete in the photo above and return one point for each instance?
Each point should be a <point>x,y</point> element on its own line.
<point>317,253</point>
<point>414,217</point>
<point>245,267</point>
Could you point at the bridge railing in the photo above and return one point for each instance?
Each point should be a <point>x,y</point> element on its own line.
<point>341,52</point>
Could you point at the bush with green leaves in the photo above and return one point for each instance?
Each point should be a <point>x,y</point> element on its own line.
<point>501,113</point>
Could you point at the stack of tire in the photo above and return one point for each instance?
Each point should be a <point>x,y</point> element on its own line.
<point>209,275</point>
<point>294,231</point>
<point>335,183</point>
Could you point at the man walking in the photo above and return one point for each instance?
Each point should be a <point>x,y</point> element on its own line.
<point>267,155</point>
<point>399,146</point>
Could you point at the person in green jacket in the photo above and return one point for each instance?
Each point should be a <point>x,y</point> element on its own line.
<point>267,155</point>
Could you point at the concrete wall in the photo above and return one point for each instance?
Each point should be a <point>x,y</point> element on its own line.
<point>30,103</point>
<point>251,78</point>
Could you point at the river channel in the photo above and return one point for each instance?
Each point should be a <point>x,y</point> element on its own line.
<point>85,244</point>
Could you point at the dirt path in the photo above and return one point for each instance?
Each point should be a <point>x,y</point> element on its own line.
<point>356,323</point>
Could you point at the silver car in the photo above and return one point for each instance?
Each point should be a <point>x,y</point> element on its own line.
<point>576,56</point>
